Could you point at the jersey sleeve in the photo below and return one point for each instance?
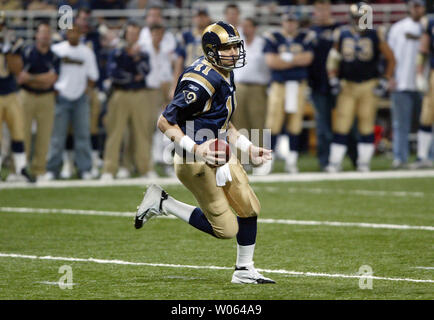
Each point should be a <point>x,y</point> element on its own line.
<point>180,47</point>
<point>92,66</point>
<point>25,56</point>
<point>56,64</point>
<point>117,75</point>
<point>192,95</point>
<point>271,45</point>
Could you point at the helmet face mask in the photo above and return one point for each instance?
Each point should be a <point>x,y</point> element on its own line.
<point>220,37</point>
<point>357,10</point>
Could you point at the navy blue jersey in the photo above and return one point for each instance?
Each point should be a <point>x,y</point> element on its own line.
<point>277,43</point>
<point>322,42</point>
<point>430,31</point>
<point>7,79</point>
<point>123,68</point>
<point>205,98</point>
<point>35,62</point>
<point>360,54</point>
<point>92,39</point>
<point>189,47</point>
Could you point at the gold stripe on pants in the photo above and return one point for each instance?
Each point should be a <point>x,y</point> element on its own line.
<point>137,107</point>
<point>38,107</point>
<point>216,202</point>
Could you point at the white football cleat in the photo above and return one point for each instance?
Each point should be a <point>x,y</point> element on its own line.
<point>152,205</point>
<point>332,168</point>
<point>363,168</point>
<point>106,177</point>
<point>249,275</point>
<point>123,173</point>
<point>421,164</point>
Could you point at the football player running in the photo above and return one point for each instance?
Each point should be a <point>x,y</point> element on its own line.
<point>352,66</point>
<point>201,110</point>
<point>424,134</point>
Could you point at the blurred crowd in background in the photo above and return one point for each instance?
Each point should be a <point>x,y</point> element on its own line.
<point>89,97</point>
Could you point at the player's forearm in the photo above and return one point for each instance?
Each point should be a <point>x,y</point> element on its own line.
<point>15,63</point>
<point>46,79</point>
<point>233,134</point>
<point>274,62</point>
<point>302,59</point>
<point>172,131</point>
<point>420,61</point>
<point>390,58</point>
<point>332,64</point>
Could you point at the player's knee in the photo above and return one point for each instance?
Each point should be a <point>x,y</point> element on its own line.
<point>227,232</point>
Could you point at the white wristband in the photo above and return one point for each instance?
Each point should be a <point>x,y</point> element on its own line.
<point>243,143</point>
<point>187,143</point>
<point>287,56</point>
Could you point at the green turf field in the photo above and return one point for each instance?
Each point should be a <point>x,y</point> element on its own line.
<point>318,249</point>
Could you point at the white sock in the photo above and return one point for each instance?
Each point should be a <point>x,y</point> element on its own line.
<point>20,161</point>
<point>292,158</point>
<point>245,255</point>
<point>68,158</point>
<point>179,209</point>
<point>365,152</point>
<point>95,158</point>
<point>423,143</point>
<point>337,153</point>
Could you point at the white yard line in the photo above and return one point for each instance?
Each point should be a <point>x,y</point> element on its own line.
<point>269,221</point>
<point>275,177</point>
<point>374,193</point>
<point>424,268</point>
<point>165,265</point>
<point>52,283</point>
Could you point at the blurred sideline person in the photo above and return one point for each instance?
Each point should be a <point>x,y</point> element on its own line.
<point>404,40</point>
<point>78,74</point>
<point>127,69</point>
<point>154,15</point>
<point>352,66</point>
<point>189,46</point>
<point>158,82</point>
<point>425,132</point>
<point>92,38</point>
<point>288,53</point>
<point>323,100</point>
<point>205,99</point>
<point>40,72</point>
<point>11,111</point>
<point>232,16</point>
<point>251,82</point>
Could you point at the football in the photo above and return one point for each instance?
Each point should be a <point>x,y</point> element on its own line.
<point>221,145</point>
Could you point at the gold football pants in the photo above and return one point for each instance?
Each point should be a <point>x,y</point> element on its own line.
<point>356,99</point>
<point>217,203</point>
<point>11,112</point>
<point>38,107</point>
<point>276,115</point>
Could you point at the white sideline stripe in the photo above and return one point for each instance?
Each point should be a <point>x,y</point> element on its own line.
<point>425,268</point>
<point>54,283</point>
<point>275,177</point>
<point>377,193</point>
<point>279,271</point>
<point>270,221</point>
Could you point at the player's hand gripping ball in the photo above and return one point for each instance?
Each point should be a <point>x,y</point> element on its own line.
<point>221,145</point>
